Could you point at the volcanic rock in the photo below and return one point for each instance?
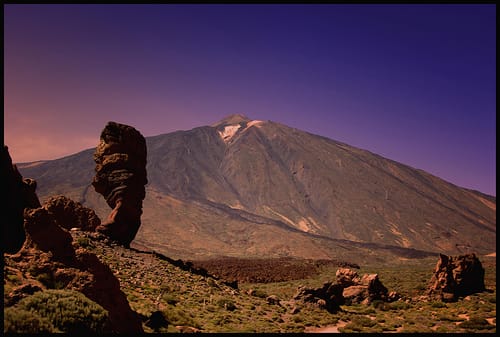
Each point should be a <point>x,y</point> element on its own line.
<point>71,214</point>
<point>348,289</point>
<point>49,256</point>
<point>456,276</point>
<point>120,177</point>
<point>43,233</point>
<point>363,289</point>
<point>19,194</point>
<point>329,296</point>
<point>347,277</point>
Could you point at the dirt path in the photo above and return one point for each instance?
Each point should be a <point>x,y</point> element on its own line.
<point>326,329</point>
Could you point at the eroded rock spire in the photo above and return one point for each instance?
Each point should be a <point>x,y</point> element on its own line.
<point>120,178</point>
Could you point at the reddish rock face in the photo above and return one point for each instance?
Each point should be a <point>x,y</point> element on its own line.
<point>19,194</point>
<point>456,276</point>
<point>363,289</point>
<point>329,296</point>
<point>120,178</point>
<point>42,233</point>
<point>49,249</point>
<point>71,214</point>
<point>349,289</point>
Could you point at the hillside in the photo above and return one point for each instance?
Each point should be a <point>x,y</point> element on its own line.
<point>193,301</point>
<point>258,188</point>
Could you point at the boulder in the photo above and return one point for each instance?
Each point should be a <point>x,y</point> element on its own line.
<point>120,178</point>
<point>363,289</point>
<point>157,321</point>
<point>273,300</point>
<point>348,289</point>
<point>329,296</point>
<point>19,194</point>
<point>71,214</point>
<point>43,233</point>
<point>456,276</point>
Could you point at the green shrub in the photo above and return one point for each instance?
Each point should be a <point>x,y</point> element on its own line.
<point>259,293</point>
<point>179,317</point>
<point>17,320</point>
<point>67,310</point>
<point>211,282</point>
<point>364,321</point>
<point>476,323</point>
<point>170,299</point>
<point>48,279</point>
<point>226,304</point>
<point>438,304</point>
<point>84,242</point>
<point>380,305</point>
<point>399,305</point>
<point>14,278</point>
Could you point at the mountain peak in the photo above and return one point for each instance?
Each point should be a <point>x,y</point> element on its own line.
<point>232,119</point>
<point>235,124</point>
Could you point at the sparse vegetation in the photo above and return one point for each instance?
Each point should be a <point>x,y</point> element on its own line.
<point>58,311</point>
<point>208,304</point>
<point>18,320</point>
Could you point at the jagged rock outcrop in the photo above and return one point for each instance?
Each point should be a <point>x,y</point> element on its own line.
<point>347,277</point>
<point>328,297</point>
<point>363,289</point>
<point>50,256</point>
<point>71,214</point>
<point>349,288</point>
<point>43,233</point>
<point>456,276</point>
<point>120,177</point>
<point>18,194</point>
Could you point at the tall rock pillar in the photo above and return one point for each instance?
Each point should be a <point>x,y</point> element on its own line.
<point>121,178</point>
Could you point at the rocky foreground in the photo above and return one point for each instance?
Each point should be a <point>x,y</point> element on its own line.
<point>174,296</point>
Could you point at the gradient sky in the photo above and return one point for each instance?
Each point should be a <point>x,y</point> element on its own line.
<point>413,83</point>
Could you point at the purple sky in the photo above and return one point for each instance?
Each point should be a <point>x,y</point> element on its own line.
<point>413,83</point>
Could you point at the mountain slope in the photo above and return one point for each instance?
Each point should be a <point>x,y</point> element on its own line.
<point>241,187</point>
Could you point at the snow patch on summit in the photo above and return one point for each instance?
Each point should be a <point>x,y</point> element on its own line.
<point>229,131</point>
<point>255,123</point>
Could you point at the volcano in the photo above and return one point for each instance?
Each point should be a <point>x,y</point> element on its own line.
<point>252,188</point>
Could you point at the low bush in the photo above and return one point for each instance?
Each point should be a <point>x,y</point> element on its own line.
<point>17,320</point>
<point>476,323</point>
<point>67,310</point>
<point>226,304</point>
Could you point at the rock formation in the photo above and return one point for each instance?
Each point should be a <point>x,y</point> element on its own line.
<point>120,177</point>
<point>46,256</point>
<point>50,256</point>
<point>329,296</point>
<point>349,289</point>
<point>43,233</point>
<point>363,289</point>
<point>19,194</point>
<point>71,214</point>
<point>456,276</point>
